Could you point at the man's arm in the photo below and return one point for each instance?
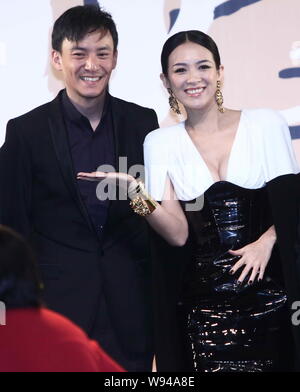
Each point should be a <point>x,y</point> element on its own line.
<point>15,182</point>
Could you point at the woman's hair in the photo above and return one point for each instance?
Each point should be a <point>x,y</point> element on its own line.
<point>75,23</point>
<point>20,285</point>
<point>196,36</point>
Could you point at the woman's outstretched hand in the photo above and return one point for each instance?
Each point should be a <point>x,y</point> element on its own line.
<point>99,176</point>
<point>120,179</point>
<point>254,257</point>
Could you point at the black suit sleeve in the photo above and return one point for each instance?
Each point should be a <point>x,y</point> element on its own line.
<point>15,181</point>
<point>154,120</point>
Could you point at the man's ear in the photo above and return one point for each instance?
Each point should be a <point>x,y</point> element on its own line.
<point>56,60</point>
<point>115,59</point>
<point>165,80</point>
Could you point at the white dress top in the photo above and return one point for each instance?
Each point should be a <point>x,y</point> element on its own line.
<point>262,150</point>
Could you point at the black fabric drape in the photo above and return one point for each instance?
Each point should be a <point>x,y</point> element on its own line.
<point>284,196</point>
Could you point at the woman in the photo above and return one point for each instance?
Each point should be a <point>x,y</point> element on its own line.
<point>209,173</point>
<point>35,339</point>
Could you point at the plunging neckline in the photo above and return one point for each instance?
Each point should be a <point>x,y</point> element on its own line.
<point>213,180</point>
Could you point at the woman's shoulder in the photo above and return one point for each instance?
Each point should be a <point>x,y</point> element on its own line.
<point>265,123</point>
<point>164,134</point>
<point>264,115</point>
<point>252,119</point>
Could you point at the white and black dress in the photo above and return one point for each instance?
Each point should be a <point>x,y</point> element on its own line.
<point>225,326</point>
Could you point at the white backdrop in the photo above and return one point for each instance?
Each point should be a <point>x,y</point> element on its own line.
<point>259,41</point>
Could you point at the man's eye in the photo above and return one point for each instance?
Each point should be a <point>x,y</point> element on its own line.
<point>102,54</point>
<point>78,54</point>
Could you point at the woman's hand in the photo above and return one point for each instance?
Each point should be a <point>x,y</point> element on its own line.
<point>254,257</point>
<point>99,176</point>
<point>122,180</point>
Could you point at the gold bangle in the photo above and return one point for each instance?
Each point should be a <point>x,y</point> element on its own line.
<point>141,203</point>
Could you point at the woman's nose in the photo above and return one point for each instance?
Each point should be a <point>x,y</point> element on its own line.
<point>194,76</point>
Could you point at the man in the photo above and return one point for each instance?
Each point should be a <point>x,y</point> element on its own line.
<point>93,255</point>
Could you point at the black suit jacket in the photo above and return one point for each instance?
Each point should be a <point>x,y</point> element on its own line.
<point>39,198</point>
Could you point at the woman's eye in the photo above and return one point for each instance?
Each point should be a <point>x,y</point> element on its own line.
<point>204,67</point>
<point>178,70</point>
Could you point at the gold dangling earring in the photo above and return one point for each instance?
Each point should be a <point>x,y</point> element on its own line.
<point>219,97</point>
<point>173,102</point>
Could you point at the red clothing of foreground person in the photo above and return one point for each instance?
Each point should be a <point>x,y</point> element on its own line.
<point>39,340</point>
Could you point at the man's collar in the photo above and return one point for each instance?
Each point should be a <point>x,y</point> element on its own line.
<point>74,115</point>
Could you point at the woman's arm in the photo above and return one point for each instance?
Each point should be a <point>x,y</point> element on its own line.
<point>167,219</point>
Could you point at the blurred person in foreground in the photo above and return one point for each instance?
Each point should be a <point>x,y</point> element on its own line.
<point>34,338</point>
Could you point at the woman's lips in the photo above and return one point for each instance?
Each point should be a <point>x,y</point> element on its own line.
<point>194,92</point>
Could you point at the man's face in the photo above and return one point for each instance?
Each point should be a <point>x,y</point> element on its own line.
<point>86,66</point>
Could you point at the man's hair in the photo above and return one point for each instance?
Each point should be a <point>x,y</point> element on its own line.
<point>77,22</point>
<point>20,286</point>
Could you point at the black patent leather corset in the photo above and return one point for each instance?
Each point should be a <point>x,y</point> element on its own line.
<point>231,217</point>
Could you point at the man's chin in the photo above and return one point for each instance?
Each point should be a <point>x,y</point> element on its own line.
<point>92,95</point>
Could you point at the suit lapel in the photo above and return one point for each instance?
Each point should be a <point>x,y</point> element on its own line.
<point>117,117</point>
<point>123,135</point>
<point>120,143</point>
<point>61,145</point>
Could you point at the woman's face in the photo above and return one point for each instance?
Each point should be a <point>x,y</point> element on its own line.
<point>192,76</point>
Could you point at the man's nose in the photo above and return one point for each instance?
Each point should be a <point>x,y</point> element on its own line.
<point>92,64</point>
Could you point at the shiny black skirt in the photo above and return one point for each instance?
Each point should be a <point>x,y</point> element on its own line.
<point>231,327</point>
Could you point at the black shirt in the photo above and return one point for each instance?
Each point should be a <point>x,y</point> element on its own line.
<point>89,150</point>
